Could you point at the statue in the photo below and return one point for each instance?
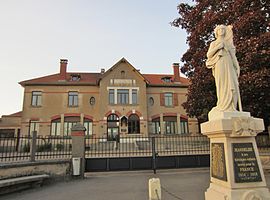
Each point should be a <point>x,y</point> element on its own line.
<point>225,68</point>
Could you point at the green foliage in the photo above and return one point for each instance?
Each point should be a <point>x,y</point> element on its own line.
<point>60,147</point>
<point>26,147</point>
<point>250,20</point>
<point>44,147</point>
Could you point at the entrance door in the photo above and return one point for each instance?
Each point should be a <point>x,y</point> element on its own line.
<point>112,133</point>
<point>112,126</point>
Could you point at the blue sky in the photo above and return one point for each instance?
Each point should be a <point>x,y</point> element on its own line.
<point>91,34</point>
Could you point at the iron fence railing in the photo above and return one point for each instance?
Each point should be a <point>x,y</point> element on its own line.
<point>46,147</point>
<point>145,145</point>
<point>13,149</point>
<point>263,143</point>
<point>51,147</point>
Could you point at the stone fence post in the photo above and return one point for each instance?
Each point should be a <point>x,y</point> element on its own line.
<point>78,145</point>
<point>33,146</point>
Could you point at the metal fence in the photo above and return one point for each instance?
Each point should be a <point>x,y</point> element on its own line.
<point>14,148</point>
<point>25,148</point>
<point>146,145</point>
<point>263,143</point>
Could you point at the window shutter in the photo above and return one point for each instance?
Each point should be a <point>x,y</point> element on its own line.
<point>162,99</point>
<point>175,99</point>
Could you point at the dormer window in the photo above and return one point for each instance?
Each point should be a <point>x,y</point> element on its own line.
<point>75,77</point>
<point>166,79</point>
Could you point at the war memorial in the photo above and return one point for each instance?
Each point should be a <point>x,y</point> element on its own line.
<point>236,170</point>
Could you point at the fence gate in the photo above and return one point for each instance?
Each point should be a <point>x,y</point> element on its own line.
<point>140,153</point>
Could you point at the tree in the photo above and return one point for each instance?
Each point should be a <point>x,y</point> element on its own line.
<point>250,20</point>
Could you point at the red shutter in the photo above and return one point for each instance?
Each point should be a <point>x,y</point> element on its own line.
<point>175,99</point>
<point>162,99</point>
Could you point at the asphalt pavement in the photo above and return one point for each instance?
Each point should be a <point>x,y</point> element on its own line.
<point>183,184</point>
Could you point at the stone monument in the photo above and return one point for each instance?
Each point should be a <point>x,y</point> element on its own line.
<point>236,170</point>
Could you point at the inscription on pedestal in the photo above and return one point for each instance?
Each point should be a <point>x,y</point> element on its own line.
<point>218,166</point>
<point>245,164</point>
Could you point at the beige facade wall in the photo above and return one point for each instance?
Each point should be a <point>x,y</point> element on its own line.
<point>157,110</point>
<point>10,125</point>
<point>123,77</point>
<point>54,104</point>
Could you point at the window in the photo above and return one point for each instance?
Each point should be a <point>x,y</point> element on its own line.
<point>184,126</point>
<point>170,127</point>
<point>56,127</point>
<point>166,79</point>
<point>122,96</point>
<point>168,99</point>
<point>156,127</point>
<point>123,74</point>
<point>133,124</point>
<point>33,126</point>
<point>111,96</point>
<point>92,101</point>
<point>170,124</point>
<point>75,77</point>
<point>112,127</point>
<point>134,96</point>
<point>151,101</point>
<point>69,123</point>
<point>89,127</point>
<point>36,98</point>
<point>73,99</point>
<point>7,133</point>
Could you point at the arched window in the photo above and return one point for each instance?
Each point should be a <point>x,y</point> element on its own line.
<point>56,127</point>
<point>184,125</point>
<point>170,125</point>
<point>133,124</point>
<point>112,126</point>
<point>69,123</point>
<point>156,125</point>
<point>88,124</point>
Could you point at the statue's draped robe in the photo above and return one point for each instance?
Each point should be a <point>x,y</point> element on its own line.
<point>225,75</point>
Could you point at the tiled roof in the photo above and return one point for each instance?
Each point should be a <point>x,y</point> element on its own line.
<point>87,78</point>
<point>93,78</point>
<point>156,79</point>
<point>17,114</point>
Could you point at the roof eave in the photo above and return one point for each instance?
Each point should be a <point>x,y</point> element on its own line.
<point>59,83</point>
<point>168,85</point>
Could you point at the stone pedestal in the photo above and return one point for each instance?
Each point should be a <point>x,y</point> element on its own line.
<point>78,145</point>
<point>236,170</point>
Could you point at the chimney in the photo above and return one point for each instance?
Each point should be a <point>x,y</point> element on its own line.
<point>102,71</point>
<point>63,69</point>
<point>176,72</point>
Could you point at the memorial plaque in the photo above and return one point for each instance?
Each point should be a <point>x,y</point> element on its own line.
<point>245,164</point>
<point>218,165</point>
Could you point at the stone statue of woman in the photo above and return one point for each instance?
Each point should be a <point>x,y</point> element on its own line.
<point>225,68</point>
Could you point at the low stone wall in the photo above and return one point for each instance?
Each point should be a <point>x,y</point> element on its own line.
<point>265,159</point>
<point>57,169</point>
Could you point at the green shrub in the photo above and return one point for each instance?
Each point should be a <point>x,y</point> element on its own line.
<point>60,147</point>
<point>26,147</point>
<point>44,147</point>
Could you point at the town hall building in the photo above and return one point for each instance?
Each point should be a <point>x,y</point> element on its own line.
<point>120,101</point>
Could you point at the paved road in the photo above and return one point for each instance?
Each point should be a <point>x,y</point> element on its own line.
<point>186,184</point>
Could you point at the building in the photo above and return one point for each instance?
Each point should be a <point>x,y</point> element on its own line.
<point>10,125</point>
<point>120,100</point>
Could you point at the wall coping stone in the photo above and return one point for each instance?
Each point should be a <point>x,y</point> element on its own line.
<point>24,164</point>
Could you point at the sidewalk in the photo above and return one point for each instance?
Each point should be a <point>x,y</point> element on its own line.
<point>185,184</point>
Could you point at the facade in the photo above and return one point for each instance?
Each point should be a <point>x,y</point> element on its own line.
<point>10,125</point>
<point>120,100</point>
